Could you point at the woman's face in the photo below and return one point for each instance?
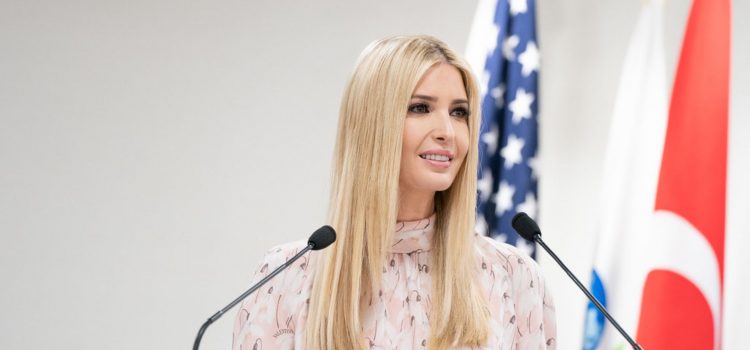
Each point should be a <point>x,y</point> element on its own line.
<point>436,131</point>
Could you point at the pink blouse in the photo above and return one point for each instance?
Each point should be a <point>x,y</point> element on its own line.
<point>522,312</point>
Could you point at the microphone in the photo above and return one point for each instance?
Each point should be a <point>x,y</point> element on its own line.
<point>529,230</point>
<point>320,239</point>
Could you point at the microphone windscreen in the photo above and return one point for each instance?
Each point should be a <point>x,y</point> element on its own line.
<point>322,237</point>
<point>525,226</point>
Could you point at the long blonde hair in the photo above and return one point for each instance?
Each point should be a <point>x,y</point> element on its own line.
<point>364,197</point>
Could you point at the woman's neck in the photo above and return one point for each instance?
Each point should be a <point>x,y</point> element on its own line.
<point>415,205</point>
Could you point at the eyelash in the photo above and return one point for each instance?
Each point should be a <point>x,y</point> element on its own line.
<point>464,112</point>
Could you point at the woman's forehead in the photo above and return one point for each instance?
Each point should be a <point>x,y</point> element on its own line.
<point>441,80</point>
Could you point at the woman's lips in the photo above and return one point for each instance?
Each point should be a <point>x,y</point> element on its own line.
<point>437,164</point>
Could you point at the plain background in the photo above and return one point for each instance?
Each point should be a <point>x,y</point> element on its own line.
<point>151,151</point>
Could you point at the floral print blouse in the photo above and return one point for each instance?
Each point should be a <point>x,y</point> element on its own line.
<point>521,308</point>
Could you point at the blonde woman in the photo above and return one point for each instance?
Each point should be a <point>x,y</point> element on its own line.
<point>407,270</point>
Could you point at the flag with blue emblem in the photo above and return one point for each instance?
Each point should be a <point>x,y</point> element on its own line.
<point>503,54</point>
<point>660,251</point>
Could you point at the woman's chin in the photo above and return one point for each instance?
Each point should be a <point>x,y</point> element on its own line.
<point>427,182</point>
<point>437,186</point>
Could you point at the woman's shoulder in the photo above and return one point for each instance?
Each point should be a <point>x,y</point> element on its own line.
<point>283,252</point>
<point>490,248</point>
<point>510,274</point>
<point>280,254</point>
<point>271,314</point>
<point>502,259</point>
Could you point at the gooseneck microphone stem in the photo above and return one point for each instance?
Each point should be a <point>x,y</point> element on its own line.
<point>538,239</point>
<point>252,289</point>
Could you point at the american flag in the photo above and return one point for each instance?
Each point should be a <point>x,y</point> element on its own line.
<point>502,51</point>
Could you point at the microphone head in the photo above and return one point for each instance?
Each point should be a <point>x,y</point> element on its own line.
<point>322,237</point>
<point>525,226</point>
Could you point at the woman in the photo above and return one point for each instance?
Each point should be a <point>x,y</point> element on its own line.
<point>407,271</point>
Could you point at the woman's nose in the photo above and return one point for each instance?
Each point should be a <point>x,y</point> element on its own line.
<point>443,129</point>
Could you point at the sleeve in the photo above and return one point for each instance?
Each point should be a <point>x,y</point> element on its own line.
<point>534,307</point>
<point>266,319</point>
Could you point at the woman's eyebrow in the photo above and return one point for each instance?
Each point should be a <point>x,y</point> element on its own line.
<point>432,99</point>
<point>424,97</point>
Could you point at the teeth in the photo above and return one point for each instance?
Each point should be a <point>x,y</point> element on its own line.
<point>436,157</point>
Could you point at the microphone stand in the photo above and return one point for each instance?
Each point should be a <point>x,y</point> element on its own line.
<point>538,239</point>
<point>252,289</point>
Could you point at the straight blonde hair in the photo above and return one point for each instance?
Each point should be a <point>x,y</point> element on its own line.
<point>364,204</point>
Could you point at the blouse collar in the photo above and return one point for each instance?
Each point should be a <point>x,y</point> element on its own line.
<point>413,236</point>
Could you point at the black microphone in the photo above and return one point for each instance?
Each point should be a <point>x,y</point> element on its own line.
<point>321,238</point>
<point>529,230</point>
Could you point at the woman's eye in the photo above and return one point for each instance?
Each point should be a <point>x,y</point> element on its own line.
<point>419,108</point>
<point>460,112</point>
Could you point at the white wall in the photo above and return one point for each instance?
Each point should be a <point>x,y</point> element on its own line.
<point>150,151</point>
